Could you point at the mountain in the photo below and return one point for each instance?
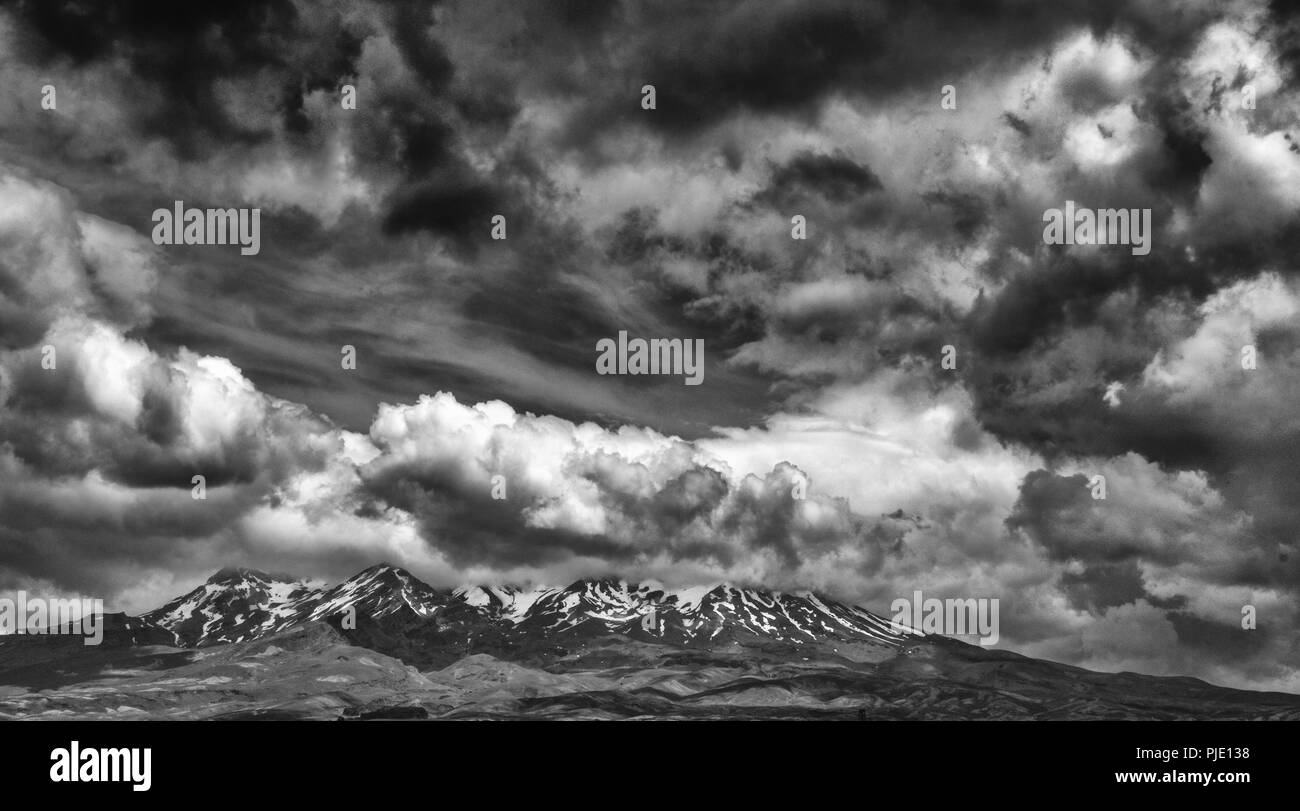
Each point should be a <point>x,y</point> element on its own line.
<point>379,591</point>
<point>382,644</point>
<point>234,605</point>
<point>698,616</point>
<point>238,605</point>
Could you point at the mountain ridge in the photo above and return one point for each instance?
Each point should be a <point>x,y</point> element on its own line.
<point>239,604</point>
<point>383,644</point>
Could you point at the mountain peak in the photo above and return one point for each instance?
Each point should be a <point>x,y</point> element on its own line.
<point>229,573</point>
<point>383,570</point>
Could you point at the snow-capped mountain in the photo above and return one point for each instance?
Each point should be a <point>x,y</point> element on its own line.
<point>234,605</point>
<point>238,605</point>
<point>701,615</point>
<point>503,602</point>
<point>379,591</point>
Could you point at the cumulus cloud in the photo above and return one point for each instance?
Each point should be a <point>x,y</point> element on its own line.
<point>56,261</point>
<point>633,498</point>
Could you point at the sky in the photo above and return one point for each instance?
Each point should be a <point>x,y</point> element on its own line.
<point>829,446</point>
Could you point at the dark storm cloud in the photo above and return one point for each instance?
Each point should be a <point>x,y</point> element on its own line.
<point>1097,313</point>
<point>1056,334</point>
<point>475,531</point>
<point>454,208</point>
<point>1223,640</point>
<point>416,126</point>
<point>1287,18</point>
<point>1103,586</point>
<point>837,177</point>
<point>189,53</point>
<point>969,211</point>
<point>170,45</point>
<point>709,62</point>
<point>422,126</point>
<point>1060,513</point>
<point>1149,518</point>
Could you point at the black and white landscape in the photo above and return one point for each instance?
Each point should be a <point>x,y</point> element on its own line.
<point>797,360</point>
<point>250,646</point>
